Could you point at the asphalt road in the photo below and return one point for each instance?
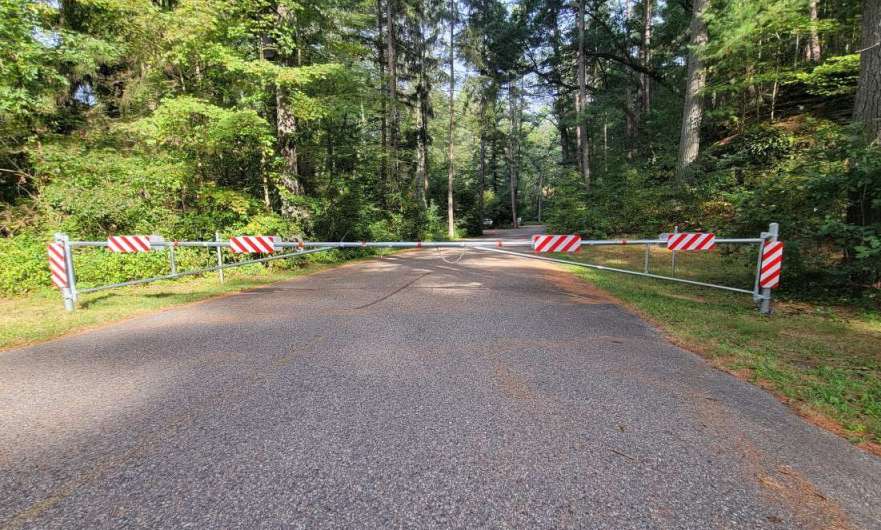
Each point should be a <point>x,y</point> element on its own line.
<point>408,392</point>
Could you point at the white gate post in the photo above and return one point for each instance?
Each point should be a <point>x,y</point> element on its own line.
<point>172,262</point>
<point>770,237</point>
<point>69,292</point>
<point>219,257</point>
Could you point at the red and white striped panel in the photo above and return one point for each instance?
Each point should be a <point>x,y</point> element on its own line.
<point>556,243</point>
<point>252,244</point>
<point>57,265</point>
<point>129,244</point>
<point>772,263</point>
<point>691,241</point>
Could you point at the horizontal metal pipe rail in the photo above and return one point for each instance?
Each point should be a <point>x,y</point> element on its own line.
<point>411,244</point>
<point>615,269</point>
<point>498,243</point>
<point>198,271</point>
<point>760,295</point>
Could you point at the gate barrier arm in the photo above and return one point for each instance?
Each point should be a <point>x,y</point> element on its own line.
<point>761,293</point>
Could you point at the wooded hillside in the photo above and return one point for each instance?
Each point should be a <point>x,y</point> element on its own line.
<point>390,119</point>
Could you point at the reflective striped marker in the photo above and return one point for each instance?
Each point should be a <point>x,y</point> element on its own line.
<point>691,241</point>
<point>57,265</point>
<point>772,263</point>
<point>129,244</point>
<point>556,243</point>
<point>252,244</point>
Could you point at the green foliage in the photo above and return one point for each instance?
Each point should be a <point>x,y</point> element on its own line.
<point>836,77</point>
<point>570,215</point>
<point>23,265</point>
<point>812,177</point>
<point>28,74</point>
<point>201,116</point>
<point>100,190</point>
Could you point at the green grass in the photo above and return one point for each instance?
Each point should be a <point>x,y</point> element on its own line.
<point>41,315</point>
<point>825,361</point>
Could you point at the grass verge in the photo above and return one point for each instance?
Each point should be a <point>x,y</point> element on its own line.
<point>824,361</point>
<point>41,315</point>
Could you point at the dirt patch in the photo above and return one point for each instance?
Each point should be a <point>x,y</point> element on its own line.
<point>810,508</point>
<point>780,484</point>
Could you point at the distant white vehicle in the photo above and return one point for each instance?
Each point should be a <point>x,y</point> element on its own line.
<point>487,222</point>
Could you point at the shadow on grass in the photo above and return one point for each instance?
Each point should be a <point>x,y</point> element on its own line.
<point>166,295</point>
<point>161,296</point>
<point>92,301</point>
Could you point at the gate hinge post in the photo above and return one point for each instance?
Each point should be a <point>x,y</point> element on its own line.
<point>68,293</point>
<point>219,256</point>
<point>770,237</point>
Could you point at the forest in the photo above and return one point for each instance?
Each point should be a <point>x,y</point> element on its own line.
<point>431,119</point>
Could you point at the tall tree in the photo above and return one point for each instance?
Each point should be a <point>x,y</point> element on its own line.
<point>451,227</point>
<point>867,108</point>
<point>693,110</point>
<point>558,64</point>
<point>481,168</point>
<point>581,101</point>
<point>392,64</point>
<point>812,51</point>
<point>513,148</point>
<point>645,56</point>
<point>422,33</point>
<point>383,112</point>
<point>285,120</point>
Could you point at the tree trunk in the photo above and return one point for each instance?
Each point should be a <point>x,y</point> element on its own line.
<point>560,111</point>
<point>560,102</point>
<point>451,227</point>
<point>482,166</point>
<point>645,53</point>
<point>494,164</point>
<point>813,48</point>
<point>383,113</point>
<point>605,144</point>
<point>286,129</point>
<point>581,103</point>
<point>265,181</point>
<point>513,141</point>
<point>541,192</point>
<point>693,110</point>
<point>287,146</point>
<point>263,170</point>
<point>421,147</point>
<point>392,63</point>
<point>631,120</point>
<point>867,108</point>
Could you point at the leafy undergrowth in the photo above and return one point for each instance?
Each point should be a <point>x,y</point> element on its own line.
<point>824,361</point>
<point>41,315</point>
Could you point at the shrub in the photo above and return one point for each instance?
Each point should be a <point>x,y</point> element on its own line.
<point>23,264</point>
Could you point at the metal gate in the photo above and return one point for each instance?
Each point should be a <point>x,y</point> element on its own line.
<point>767,273</point>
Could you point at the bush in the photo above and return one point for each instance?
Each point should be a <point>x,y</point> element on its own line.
<point>23,264</point>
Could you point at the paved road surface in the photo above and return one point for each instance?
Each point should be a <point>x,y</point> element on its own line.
<point>495,392</point>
